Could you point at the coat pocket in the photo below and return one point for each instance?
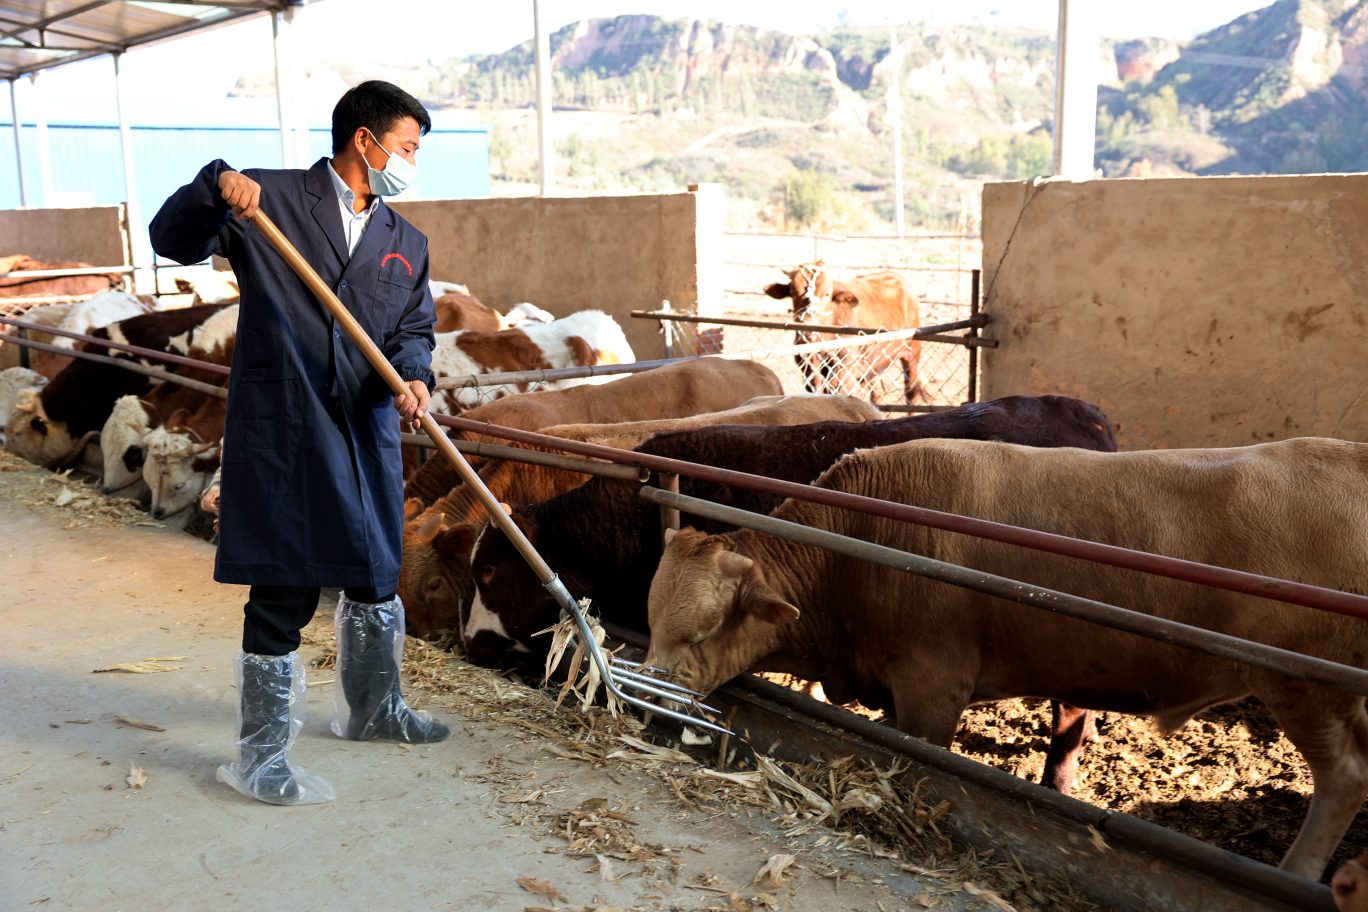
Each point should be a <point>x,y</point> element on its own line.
<point>270,407</point>
<point>392,293</point>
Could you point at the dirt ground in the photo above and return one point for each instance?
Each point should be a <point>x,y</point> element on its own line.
<point>453,825</point>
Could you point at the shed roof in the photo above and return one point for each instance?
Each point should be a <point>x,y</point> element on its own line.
<point>40,34</point>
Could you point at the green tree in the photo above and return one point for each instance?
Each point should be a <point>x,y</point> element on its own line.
<point>1030,155</point>
<point>636,95</point>
<point>808,195</point>
<point>500,147</point>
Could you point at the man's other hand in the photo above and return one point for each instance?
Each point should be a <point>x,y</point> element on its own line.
<point>240,192</point>
<point>415,405</point>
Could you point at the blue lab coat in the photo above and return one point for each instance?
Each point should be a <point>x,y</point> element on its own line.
<point>312,480</point>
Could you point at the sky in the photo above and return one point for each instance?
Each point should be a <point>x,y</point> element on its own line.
<point>186,81</point>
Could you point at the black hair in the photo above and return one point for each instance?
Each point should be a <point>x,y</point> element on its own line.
<point>378,106</point>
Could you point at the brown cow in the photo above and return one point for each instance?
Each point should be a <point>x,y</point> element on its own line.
<point>924,651</point>
<point>674,391</point>
<point>436,585</point>
<point>1350,885</point>
<point>880,300</point>
<point>456,311</point>
<point>14,284</point>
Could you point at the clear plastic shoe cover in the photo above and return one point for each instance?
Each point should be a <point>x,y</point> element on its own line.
<point>271,692</point>
<point>370,703</point>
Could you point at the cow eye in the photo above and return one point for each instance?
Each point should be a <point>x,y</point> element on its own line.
<point>435,584</point>
<point>486,573</point>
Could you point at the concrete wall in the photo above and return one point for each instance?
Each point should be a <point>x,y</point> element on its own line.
<point>92,235</point>
<point>1197,312</point>
<point>563,254</point>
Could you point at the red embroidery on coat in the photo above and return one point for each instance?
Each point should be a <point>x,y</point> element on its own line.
<point>390,256</point>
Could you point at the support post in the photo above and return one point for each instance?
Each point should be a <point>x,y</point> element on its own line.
<point>303,147</point>
<point>975,284</point>
<point>1075,127</point>
<point>134,211</point>
<point>895,111</point>
<point>44,146</point>
<point>18,146</point>
<point>282,64</point>
<point>669,516</point>
<point>546,150</point>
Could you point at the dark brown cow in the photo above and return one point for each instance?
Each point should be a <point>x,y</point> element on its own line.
<point>435,588</point>
<point>880,300</point>
<point>13,284</point>
<point>674,391</point>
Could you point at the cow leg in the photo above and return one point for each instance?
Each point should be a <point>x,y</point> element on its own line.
<point>1331,731</point>
<point>930,699</point>
<point>1069,728</point>
<point>912,390</point>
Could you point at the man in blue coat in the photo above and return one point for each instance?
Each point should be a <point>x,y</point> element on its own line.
<point>312,479</point>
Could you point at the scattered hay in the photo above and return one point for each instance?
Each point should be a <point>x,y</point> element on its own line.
<point>841,807</point>
<point>36,486</point>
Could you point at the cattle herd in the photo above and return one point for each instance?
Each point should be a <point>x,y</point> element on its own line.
<point>718,600</point>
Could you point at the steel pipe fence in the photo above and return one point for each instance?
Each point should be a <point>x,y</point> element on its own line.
<point>1208,642</point>
<point>1268,587</point>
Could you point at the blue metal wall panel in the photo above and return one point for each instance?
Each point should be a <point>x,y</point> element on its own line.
<point>453,163</point>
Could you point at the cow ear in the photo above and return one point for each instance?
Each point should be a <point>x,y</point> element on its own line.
<point>428,530</point>
<point>732,565</point>
<point>776,290</point>
<point>457,542</point>
<point>412,507</point>
<point>178,419</point>
<point>670,536</point>
<point>765,605</point>
<point>845,297</point>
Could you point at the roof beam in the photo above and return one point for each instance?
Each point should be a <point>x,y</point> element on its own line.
<point>103,47</point>
<point>43,23</point>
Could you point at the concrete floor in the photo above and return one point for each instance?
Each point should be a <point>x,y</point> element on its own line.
<point>411,827</point>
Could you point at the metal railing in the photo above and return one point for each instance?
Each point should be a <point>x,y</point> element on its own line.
<point>1096,552</point>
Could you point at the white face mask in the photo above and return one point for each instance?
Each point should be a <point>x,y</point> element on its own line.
<point>396,176</point>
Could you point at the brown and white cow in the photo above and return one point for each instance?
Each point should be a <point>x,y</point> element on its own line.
<point>51,426</point>
<point>924,651</point>
<point>122,437</point>
<point>436,584</point>
<point>674,391</point>
<point>457,311</point>
<point>582,339</point>
<point>183,456</point>
<point>880,300</point>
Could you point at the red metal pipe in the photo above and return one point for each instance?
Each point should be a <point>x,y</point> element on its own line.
<point>1172,567</point>
<point>132,349</point>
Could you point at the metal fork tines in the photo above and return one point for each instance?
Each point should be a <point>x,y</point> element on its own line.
<point>668,685</point>
<point>609,674</point>
<point>662,694</point>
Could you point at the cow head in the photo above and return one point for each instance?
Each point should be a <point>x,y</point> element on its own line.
<point>178,468</point>
<point>121,440</point>
<point>32,435</point>
<point>712,616</point>
<point>434,575</point>
<point>511,604</point>
<point>209,500</point>
<point>1350,885</point>
<point>813,291</point>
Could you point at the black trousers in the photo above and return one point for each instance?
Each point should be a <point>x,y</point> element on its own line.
<point>274,615</point>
